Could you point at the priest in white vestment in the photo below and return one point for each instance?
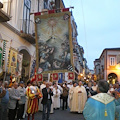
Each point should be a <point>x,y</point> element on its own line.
<point>94,87</point>
<point>100,106</point>
<point>71,92</point>
<point>56,98</point>
<point>70,85</point>
<point>79,98</point>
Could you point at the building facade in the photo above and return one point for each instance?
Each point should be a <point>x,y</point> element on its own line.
<point>17,29</point>
<point>107,67</point>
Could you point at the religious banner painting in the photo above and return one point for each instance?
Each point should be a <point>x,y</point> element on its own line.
<point>40,77</point>
<point>55,76</point>
<point>13,61</point>
<point>71,76</point>
<point>60,79</point>
<point>19,64</point>
<point>53,42</point>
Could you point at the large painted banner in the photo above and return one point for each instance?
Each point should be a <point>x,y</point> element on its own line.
<point>53,42</point>
<point>19,65</point>
<point>12,61</point>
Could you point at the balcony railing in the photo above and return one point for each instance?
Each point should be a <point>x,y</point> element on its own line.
<point>27,30</point>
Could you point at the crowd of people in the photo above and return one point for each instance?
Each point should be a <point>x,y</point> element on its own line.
<point>97,101</point>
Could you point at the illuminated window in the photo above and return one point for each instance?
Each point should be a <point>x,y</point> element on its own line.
<point>112,61</point>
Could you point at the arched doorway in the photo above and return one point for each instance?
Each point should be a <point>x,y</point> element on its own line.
<point>112,78</point>
<point>25,65</point>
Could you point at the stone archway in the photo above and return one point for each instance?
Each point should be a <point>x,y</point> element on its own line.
<point>25,65</point>
<point>112,78</point>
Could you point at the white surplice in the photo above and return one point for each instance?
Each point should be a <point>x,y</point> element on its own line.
<point>71,92</point>
<point>94,88</point>
<point>56,98</point>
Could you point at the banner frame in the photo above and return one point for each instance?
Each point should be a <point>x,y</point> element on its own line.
<point>45,16</point>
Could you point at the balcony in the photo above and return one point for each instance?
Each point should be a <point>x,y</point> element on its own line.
<point>27,30</point>
<point>1,5</point>
<point>5,6</point>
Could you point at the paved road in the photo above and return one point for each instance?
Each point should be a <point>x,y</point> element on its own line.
<point>61,115</point>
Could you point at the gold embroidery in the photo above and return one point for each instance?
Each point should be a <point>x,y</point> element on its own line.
<point>103,98</point>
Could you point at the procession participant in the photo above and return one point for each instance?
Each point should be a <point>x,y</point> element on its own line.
<point>43,85</point>
<point>4,101</point>
<point>70,85</point>
<point>46,101</point>
<point>52,105</point>
<point>79,98</point>
<point>11,82</point>
<point>111,89</point>
<point>71,92</point>
<point>14,97</point>
<point>65,96</point>
<point>93,89</point>
<point>117,102</point>
<point>28,85</point>
<point>33,94</point>
<point>61,91</point>
<point>56,98</point>
<point>100,106</point>
<point>117,87</point>
<point>21,103</point>
<point>114,86</point>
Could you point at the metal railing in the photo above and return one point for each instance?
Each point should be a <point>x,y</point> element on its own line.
<point>27,27</point>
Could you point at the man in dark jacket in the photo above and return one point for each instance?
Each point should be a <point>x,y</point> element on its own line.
<point>65,96</point>
<point>46,101</point>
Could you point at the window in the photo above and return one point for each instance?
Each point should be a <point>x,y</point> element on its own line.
<point>112,61</point>
<point>45,4</point>
<point>26,15</point>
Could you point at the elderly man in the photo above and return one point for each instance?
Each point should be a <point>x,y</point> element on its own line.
<point>14,96</point>
<point>21,103</point>
<point>46,101</point>
<point>100,106</point>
